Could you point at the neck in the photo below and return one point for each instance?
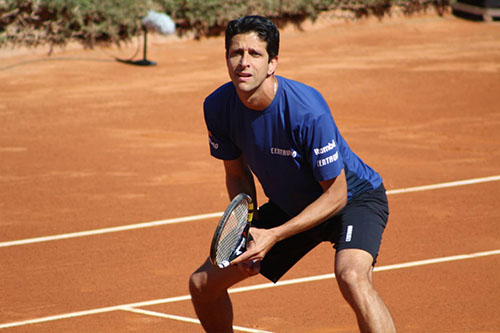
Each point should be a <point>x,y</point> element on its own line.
<point>262,97</point>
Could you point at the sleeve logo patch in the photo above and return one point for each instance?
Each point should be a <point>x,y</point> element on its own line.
<point>325,149</point>
<point>328,160</point>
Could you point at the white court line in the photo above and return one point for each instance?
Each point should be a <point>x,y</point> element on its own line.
<point>187,319</point>
<point>127,307</point>
<point>445,185</point>
<point>110,230</point>
<point>376,269</point>
<point>219,214</point>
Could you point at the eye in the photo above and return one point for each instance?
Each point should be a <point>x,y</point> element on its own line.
<point>235,53</point>
<point>255,53</point>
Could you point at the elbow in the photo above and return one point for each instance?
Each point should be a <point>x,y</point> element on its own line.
<point>337,203</point>
<point>343,200</point>
<point>341,193</point>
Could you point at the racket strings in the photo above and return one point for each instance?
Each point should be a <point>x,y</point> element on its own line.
<point>231,232</point>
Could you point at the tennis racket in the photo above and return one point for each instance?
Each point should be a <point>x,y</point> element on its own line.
<point>232,233</point>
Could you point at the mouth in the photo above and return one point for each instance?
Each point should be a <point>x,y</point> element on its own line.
<point>244,76</point>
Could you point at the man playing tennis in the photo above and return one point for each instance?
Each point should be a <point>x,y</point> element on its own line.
<point>282,132</point>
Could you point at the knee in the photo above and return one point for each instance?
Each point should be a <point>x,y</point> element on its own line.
<point>198,285</point>
<point>353,279</point>
<point>203,287</point>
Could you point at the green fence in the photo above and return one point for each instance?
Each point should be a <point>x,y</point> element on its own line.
<point>91,22</point>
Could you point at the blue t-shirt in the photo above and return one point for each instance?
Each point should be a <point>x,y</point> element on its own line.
<point>290,146</point>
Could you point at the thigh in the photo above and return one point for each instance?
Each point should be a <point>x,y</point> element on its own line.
<point>288,252</point>
<point>361,223</point>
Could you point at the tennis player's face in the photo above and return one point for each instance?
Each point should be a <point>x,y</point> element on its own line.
<point>248,62</point>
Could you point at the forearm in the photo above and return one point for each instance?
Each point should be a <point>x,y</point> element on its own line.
<point>239,179</point>
<point>239,185</point>
<point>326,206</point>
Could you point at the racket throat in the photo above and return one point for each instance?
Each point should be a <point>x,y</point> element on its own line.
<point>240,248</point>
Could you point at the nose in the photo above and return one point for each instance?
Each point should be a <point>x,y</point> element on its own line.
<point>244,59</point>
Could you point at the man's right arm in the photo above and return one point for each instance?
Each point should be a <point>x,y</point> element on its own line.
<point>239,179</point>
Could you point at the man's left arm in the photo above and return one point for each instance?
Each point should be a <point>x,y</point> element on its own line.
<point>332,200</point>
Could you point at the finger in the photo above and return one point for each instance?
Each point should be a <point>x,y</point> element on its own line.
<point>245,256</point>
<point>250,267</point>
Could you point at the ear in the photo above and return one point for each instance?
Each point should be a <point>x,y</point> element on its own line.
<point>273,65</point>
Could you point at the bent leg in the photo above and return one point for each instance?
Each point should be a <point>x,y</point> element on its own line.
<point>353,270</point>
<point>208,287</point>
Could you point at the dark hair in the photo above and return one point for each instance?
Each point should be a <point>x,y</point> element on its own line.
<point>264,27</point>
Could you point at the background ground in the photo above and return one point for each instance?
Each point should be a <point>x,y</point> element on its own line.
<point>88,143</point>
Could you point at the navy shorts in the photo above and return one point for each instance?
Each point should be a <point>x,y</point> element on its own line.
<point>359,225</point>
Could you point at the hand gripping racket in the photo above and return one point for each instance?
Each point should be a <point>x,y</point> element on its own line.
<point>232,233</point>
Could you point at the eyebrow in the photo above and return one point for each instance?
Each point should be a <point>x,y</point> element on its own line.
<point>250,50</point>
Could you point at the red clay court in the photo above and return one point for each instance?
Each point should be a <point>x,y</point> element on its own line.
<point>108,195</point>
